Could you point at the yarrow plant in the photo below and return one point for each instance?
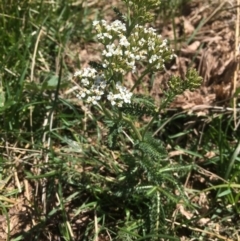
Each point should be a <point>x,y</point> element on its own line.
<point>127,46</point>
<point>121,54</point>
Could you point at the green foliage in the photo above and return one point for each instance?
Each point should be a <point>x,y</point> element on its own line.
<point>141,105</point>
<point>96,171</point>
<point>141,10</point>
<point>152,149</point>
<point>115,130</point>
<point>2,97</point>
<point>178,86</point>
<point>191,82</point>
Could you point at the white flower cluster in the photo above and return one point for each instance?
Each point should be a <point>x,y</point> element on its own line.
<point>121,53</point>
<point>123,96</point>
<point>94,86</point>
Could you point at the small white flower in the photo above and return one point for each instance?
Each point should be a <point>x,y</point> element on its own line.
<point>95,22</point>
<point>132,56</point>
<point>134,69</point>
<point>124,42</point>
<point>164,43</point>
<point>83,95</point>
<point>91,100</point>
<point>131,64</point>
<point>105,64</point>
<point>153,58</point>
<point>118,26</point>
<point>135,49</point>
<point>172,56</point>
<point>103,22</point>
<point>152,30</point>
<point>103,85</point>
<point>100,36</point>
<point>107,35</point>
<point>151,45</point>
<point>111,50</point>
<point>141,42</point>
<point>111,98</point>
<point>85,81</point>
<point>77,73</point>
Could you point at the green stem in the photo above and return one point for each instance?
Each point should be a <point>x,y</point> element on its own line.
<point>135,130</point>
<point>110,116</point>
<point>106,112</point>
<point>232,160</point>
<point>140,79</point>
<point>149,124</point>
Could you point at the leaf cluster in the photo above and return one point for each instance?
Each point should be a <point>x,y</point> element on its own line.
<point>140,106</point>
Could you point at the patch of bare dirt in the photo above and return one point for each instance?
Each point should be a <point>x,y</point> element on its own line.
<point>206,41</point>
